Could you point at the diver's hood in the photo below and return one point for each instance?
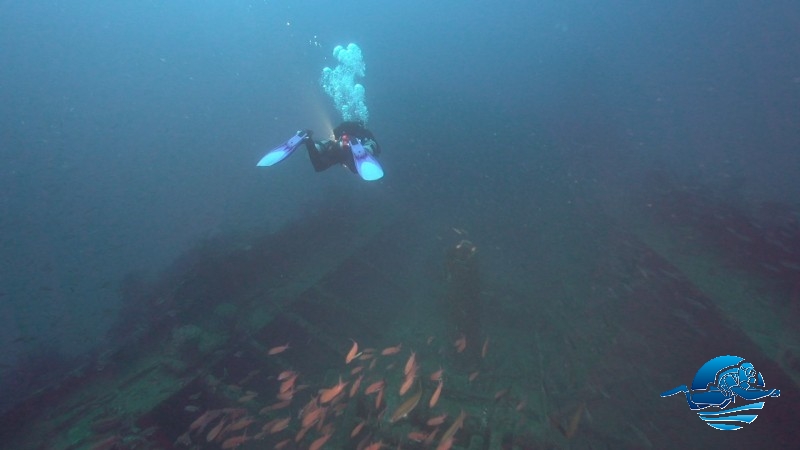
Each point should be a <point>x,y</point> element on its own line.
<point>353,129</point>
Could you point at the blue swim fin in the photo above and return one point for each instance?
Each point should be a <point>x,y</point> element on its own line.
<point>366,165</point>
<point>278,154</point>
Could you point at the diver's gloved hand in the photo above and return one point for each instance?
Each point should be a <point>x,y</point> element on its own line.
<point>305,134</point>
<point>372,147</point>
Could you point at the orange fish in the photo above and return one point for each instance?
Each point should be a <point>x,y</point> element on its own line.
<point>417,436</point>
<point>312,417</point>
<point>436,394</point>
<point>326,395</point>
<point>287,384</point>
<point>375,387</point>
<point>436,421</point>
<point>239,424</point>
<point>391,350</point>
<point>269,424</point>
<point>215,432</point>
<point>290,379</point>
<point>301,434</point>
<point>437,376</point>
<point>319,442</point>
<point>200,423</point>
<point>357,428</point>
<point>354,387</point>
<point>408,382</point>
<point>282,444</point>
<point>234,442</point>
<point>374,446</point>
<point>485,347</point>
<point>410,364</point>
<point>285,396</point>
<point>310,406</point>
<point>355,370</point>
<point>285,374</point>
<point>280,425</point>
<point>379,399</point>
<point>501,393</point>
<point>473,375</point>
<point>352,354</point>
<point>273,407</point>
<point>278,349</point>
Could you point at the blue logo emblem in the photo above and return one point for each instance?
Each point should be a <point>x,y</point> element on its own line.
<point>717,384</point>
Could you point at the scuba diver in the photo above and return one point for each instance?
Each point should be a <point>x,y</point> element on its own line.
<point>352,145</point>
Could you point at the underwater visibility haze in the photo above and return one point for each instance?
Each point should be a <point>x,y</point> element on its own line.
<point>555,212</point>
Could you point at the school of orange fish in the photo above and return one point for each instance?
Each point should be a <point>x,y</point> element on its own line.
<point>292,422</point>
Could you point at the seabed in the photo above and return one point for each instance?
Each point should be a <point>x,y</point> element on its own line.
<point>583,320</point>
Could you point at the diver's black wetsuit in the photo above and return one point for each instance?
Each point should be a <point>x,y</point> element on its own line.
<point>324,154</point>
